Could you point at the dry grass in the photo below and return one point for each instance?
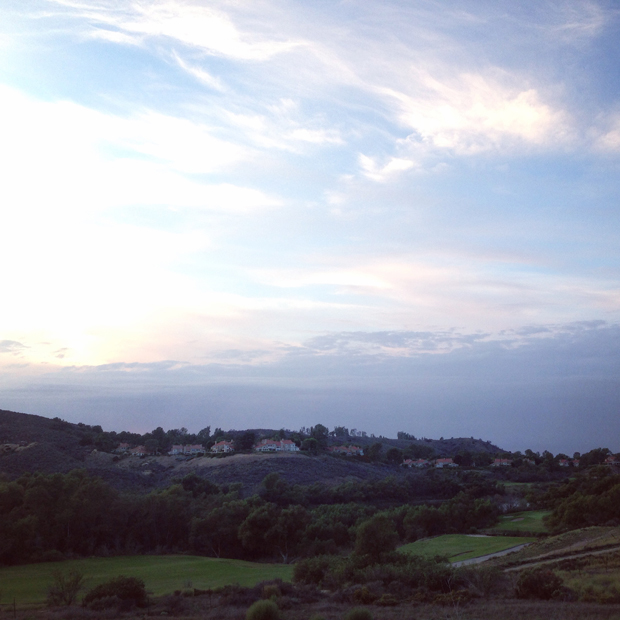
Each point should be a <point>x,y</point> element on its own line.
<point>576,541</point>
<point>492,610</point>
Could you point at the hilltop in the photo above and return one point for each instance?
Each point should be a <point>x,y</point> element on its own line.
<point>35,443</point>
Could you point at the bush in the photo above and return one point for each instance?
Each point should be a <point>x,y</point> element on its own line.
<point>358,613</point>
<point>483,581</point>
<point>271,591</point>
<point>126,592</point>
<point>314,570</point>
<point>539,583</point>
<point>263,610</point>
<point>65,587</point>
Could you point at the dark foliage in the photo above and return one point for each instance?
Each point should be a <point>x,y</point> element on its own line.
<point>591,498</point>
<point>539,583</point>
<point>263,610</point>
<point>122,592</point>
<point>65,587</point>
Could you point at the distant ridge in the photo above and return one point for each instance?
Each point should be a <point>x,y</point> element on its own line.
<point>30,443</point>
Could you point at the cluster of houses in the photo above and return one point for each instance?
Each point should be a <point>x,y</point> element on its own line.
<point>346,450</point>
<point>220,447</point>
<point>276,445</point>
<point>569,462</point>
<point>287,445</point>
<point>424,463</point>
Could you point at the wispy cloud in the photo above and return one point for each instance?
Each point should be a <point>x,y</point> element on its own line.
<point>12,346</point>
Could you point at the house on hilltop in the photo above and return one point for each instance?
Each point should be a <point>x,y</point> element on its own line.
<point>501,463</point>
<point>440,463</point>
<point>276,445</point>
<point>187,450</point>
<point>419,463</point>
<point>568,462</point>
<point>223,447</point>
<point>194,449</point>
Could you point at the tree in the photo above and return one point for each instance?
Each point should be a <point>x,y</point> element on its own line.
<point>310,445</point>
<point>151,445</point>
<point>374,451</point>
<point>288,530</point>
<point>203,435</point>
<point>464,458</point>
<point>320,433</point>
<point>594,457</point>
<point>341,432</point>
<point>245,441</point>
<point>376,537</point>
<point>394,456</point>
<point>253,532</point>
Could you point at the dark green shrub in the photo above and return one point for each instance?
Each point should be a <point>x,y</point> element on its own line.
<point>130,591</point>
<point>263,610</point>
<point>358,613</point>
<point>539,583</point>
<point>314,570</point>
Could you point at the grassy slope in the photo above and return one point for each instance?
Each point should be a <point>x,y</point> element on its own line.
<point>575,541</point>
<point>529,521</point>
<point>459,547</point>
<point>161,574</point>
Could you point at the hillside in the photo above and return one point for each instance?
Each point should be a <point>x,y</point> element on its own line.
<point>34,443</point>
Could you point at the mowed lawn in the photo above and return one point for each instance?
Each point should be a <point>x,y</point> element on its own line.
<point>528,521</point>
<point>459,547</point>
<point>28,584</point>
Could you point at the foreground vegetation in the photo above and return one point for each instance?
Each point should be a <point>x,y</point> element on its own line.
<point>51,517</point>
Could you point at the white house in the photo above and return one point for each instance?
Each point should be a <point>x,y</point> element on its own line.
<point>223,446</point>
<point>501,463</point>
<point>440,463</point>
<point>275,445</point>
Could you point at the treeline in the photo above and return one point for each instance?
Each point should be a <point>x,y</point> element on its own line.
<point>47,517</point>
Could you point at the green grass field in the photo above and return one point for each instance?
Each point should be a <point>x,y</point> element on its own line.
<point>529,521</point>
<point>161,574</point>
<point>459,547</point>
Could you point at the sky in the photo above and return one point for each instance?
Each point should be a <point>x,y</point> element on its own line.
<point>389,215</point>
